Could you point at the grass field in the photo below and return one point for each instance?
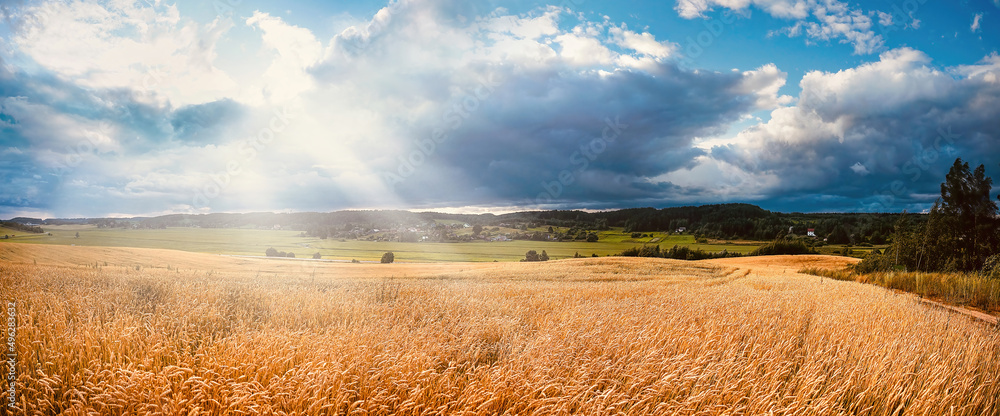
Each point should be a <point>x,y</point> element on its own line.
<point>255,242</point>
<point>143,331</point>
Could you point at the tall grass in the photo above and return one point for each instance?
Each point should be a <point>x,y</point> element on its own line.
<point>963,289</point>
<point>587,336</point>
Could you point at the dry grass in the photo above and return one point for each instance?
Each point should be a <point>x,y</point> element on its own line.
<point>970,290</point>
<point>588,336</point>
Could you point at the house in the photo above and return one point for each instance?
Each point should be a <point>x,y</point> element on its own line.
<point>811,232</point>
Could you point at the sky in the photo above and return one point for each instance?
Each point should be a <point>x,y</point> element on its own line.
<point>113,108</point>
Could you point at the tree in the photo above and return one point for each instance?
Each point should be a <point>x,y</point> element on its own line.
<point>551,231</point>
<point>317,256</point>
<point>531,255</point>
<point>290,255</point>
<point>592,237</point>
<point>839,236</point>
<point>77,234</point>
<point>476,229</point>
<point>544,256</point>
<point>271,252</point>
<point>965,197</point>
<point>388,257</point>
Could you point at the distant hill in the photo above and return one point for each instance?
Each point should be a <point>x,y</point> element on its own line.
<point>22,226</point>
<point>720,221</point>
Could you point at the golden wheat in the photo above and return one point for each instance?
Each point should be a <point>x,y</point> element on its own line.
<point>587,336</point>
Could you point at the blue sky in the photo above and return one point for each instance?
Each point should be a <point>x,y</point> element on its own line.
<point>122,108</point>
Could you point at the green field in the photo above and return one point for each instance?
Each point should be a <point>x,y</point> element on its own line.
<point>254,242</point>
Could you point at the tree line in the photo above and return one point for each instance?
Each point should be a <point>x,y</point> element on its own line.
<point>960,234</point>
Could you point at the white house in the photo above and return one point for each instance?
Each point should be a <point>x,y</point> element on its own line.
<point>811,232</point>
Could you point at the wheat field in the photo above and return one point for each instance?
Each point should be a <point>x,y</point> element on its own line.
<point>142,332</point>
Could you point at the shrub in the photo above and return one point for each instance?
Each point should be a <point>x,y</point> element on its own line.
<point>317,256</point>
<point>991,267</point>
<point>388,257</point>
<point>531,255</point>
<point>873,262</point>
<point>782,246</point>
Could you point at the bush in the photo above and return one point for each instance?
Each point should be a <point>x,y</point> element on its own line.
<point>290,255</point>
<point>317,256</point>
<point>782,246</point>
<point>388,257</point>
<point>873,262</point>
<point>271,252</point>
<point>991,268</point>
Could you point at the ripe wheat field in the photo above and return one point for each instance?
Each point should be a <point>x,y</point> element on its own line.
<point>603,336</point>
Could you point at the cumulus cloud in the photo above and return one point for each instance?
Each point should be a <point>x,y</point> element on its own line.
<point>449,103</point>
<point>821,19</point>
<point>904,119</point>
<point>146,48</point>
<point>494,105</point>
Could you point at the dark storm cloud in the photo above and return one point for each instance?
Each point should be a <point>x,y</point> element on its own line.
<point>204,123</point>
<point>877,137</point>
<point>519,140</point>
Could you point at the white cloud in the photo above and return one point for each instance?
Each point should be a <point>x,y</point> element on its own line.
<point>975,22</point>
<point>884,19</point>
<point>124,45</point>
<point>294,49</point>
<point>516,96</point>
<point>822,19</point>
<point>765,83</point>
<point>644,43</point>
<point>860,169</point>
<point>899,118</point>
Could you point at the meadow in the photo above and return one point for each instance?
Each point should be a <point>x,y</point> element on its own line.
<point>253,242</point>
<point>144,331</point>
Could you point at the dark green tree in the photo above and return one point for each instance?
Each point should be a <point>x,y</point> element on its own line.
<point>388,257</point>
<point>544,256</point>
<point>839,236</point>
<point>965,198</point>
<point>531,255</point>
